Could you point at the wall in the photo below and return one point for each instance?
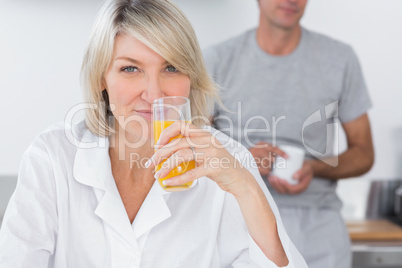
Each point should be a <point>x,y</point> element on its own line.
<point>42,43</point>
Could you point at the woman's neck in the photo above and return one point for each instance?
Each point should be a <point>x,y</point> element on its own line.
<point>128,155</point>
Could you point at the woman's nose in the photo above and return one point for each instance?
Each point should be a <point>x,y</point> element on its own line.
<point>153,90</point>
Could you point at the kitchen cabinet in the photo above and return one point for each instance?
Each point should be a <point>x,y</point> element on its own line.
<point>376,243</point>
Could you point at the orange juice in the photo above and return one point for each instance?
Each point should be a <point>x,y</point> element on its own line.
<point>180,169</point>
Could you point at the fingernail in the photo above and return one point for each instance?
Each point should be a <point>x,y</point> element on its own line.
<point>156,176</point>
<point>148,163</point>
<point>157,143</point>
<point>166,182</point>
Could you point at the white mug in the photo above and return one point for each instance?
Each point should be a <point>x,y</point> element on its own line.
<point>285,168</point>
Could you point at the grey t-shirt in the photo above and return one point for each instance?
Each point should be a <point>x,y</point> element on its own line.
<point>298,99</point>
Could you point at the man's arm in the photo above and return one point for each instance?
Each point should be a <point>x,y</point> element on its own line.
<point>357,159</point>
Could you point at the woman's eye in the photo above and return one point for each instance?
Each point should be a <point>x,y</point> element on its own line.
<point>130,69</point>
<point>171,69</point>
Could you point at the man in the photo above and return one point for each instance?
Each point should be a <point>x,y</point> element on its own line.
<point>283,84</point>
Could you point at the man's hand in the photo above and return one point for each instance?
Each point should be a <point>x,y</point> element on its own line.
<point>264,156</point>
<point>303,175</point>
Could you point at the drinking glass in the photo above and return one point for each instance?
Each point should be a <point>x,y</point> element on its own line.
<point>166,111</point>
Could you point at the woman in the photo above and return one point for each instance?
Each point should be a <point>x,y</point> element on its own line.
<point>83,200</point>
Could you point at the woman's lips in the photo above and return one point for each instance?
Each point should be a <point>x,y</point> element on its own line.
<point>147,114</point>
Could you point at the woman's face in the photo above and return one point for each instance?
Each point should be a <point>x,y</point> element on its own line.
<point>136,77</point>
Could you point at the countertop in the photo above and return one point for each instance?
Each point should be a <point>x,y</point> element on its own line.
<point>377,230</point>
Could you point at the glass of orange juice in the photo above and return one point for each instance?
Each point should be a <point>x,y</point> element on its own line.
<point>166,111</point>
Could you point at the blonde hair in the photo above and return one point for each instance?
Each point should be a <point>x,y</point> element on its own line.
<point>162,27</point>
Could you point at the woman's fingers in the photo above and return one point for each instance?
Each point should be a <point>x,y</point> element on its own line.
<point>183,128</point>
<point>213,161</point>
<point>197,138</point>
<point>175,129</point>
<point>166,152</point>
<point>177,158</point>
<point>188,176</point>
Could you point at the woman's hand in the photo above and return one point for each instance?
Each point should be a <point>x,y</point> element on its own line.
<point>212,159</point>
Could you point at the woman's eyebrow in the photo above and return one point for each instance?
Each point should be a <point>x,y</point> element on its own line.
<point>134,60</point>
<point>128,59</point>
